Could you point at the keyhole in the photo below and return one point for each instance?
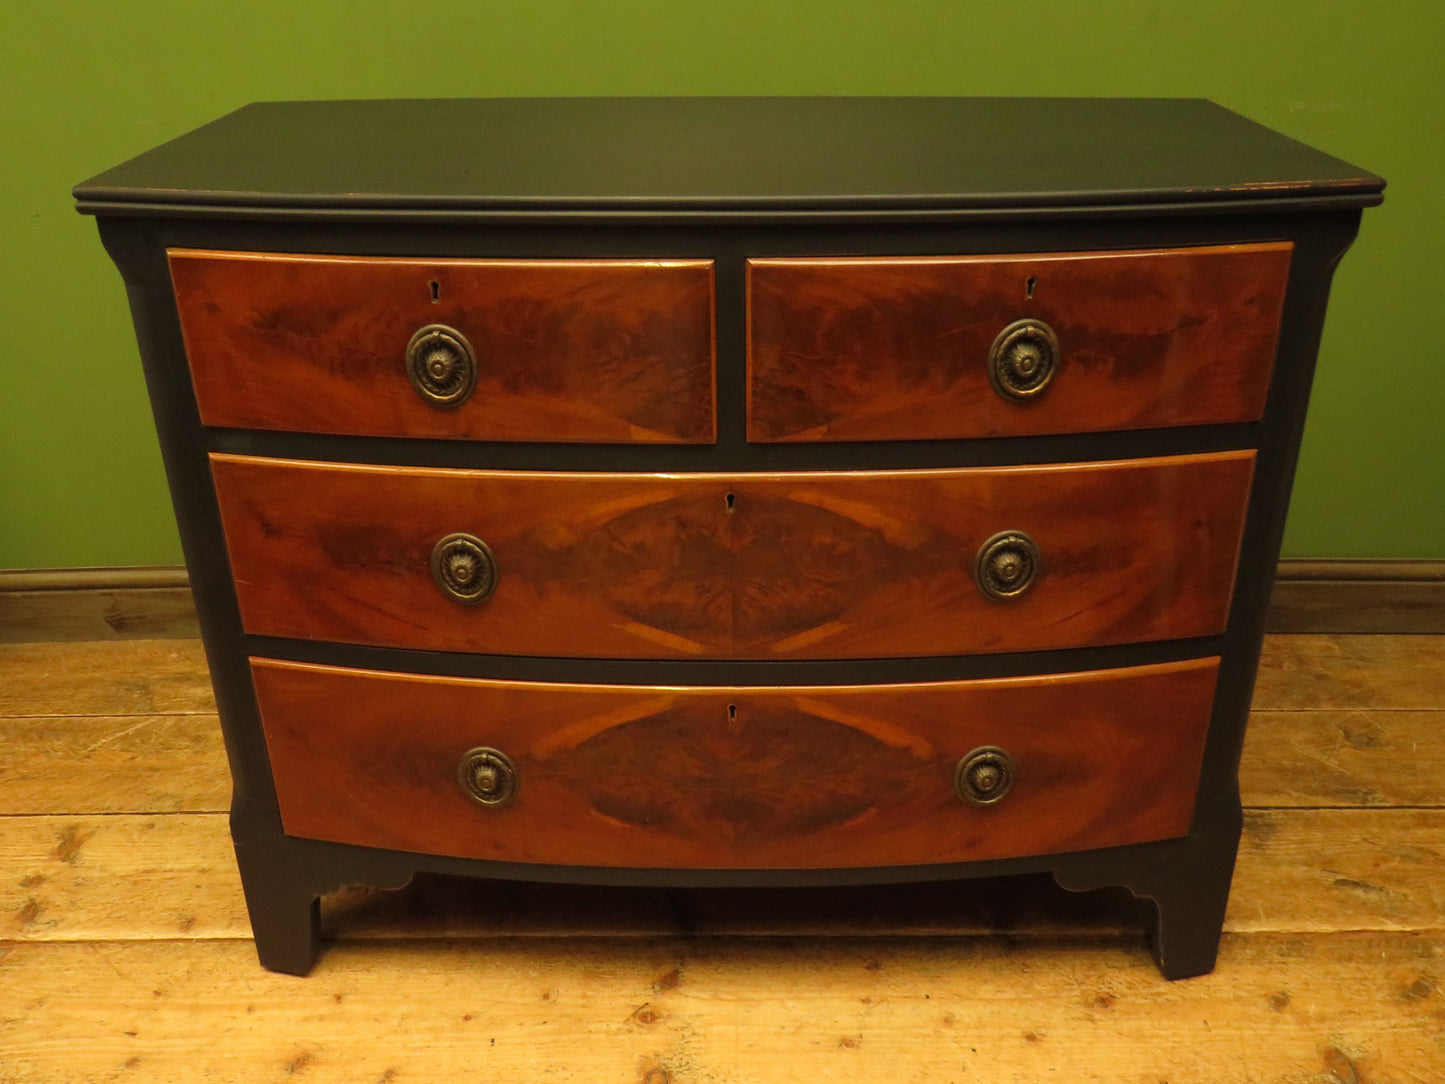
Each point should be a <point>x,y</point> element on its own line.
<point>731,500</point>
<point>436,291</point>
<point>732,712</point>
<point>1029,284</point>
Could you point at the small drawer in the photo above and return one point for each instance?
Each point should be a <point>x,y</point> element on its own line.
<point>989,346</point>
<point>804,565</point>
<point>754,777</point>
<point>549,350</point>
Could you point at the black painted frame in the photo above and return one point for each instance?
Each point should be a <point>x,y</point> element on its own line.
<point>1187,879</point>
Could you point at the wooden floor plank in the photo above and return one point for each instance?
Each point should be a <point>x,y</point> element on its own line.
<point>1359,757</point>
<point>685,1011</point>
<point>1333,672</point>
<point>1340,869</point>
<point>118,877</point>
<point>123,677</point>
<point>124,876</point>
<point>113,764</point>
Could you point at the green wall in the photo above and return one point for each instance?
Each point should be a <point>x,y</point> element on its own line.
<point>84,85</point>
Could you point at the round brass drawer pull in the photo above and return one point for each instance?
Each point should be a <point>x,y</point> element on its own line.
<point>984,776</point>
<point>1023,359</point>
<point>488,776</point>
<point>1006,566</point>
<point>441,366</point>
<point>463,568</point>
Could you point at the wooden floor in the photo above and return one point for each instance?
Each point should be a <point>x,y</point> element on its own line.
<point>124,952</point>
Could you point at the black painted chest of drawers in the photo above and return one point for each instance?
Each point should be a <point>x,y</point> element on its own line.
<point>732,491</point>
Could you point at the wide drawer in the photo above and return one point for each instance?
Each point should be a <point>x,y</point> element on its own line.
<point>897,349</point>
<point>803,565</point>
<point>561,350</point>
<point>634,776</point>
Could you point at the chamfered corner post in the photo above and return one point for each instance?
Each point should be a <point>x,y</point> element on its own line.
<point>284,907</point>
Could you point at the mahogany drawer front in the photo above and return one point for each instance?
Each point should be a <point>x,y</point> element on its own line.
<point>811,777</point>
<point>898,348</point>
<point>803,565</point>
<point>566,350</point>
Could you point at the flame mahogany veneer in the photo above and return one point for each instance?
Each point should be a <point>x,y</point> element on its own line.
<point>736,777</point>
<point>894,349</point>
<point>849,564</point>
<point>570,350</point>
<point>734,442</point>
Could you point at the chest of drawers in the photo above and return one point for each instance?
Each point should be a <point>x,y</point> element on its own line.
<point>732,491</point>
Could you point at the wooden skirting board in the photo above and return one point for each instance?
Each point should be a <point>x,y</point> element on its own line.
<point>51,605</point>
<point>1358,596</point>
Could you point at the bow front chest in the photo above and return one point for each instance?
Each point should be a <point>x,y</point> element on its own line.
<point>732,491</point>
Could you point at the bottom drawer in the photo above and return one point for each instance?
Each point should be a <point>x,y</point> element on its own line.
<point>761,777</point>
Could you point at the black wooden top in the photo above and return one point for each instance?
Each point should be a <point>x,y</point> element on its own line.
<point>610,155</point>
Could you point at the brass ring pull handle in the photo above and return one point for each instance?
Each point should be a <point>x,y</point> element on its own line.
<point>488,776</point>
<point>464,569</point>
<point>1006,565</point>
<point>984,776</point>
<point>1023,360</point>
<point>441,366</point>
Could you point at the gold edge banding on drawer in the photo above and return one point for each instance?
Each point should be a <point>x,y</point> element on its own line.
<point>907,348</point>
<point>805,565</point>
<point>745,777</point>
<point>613,351</point>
